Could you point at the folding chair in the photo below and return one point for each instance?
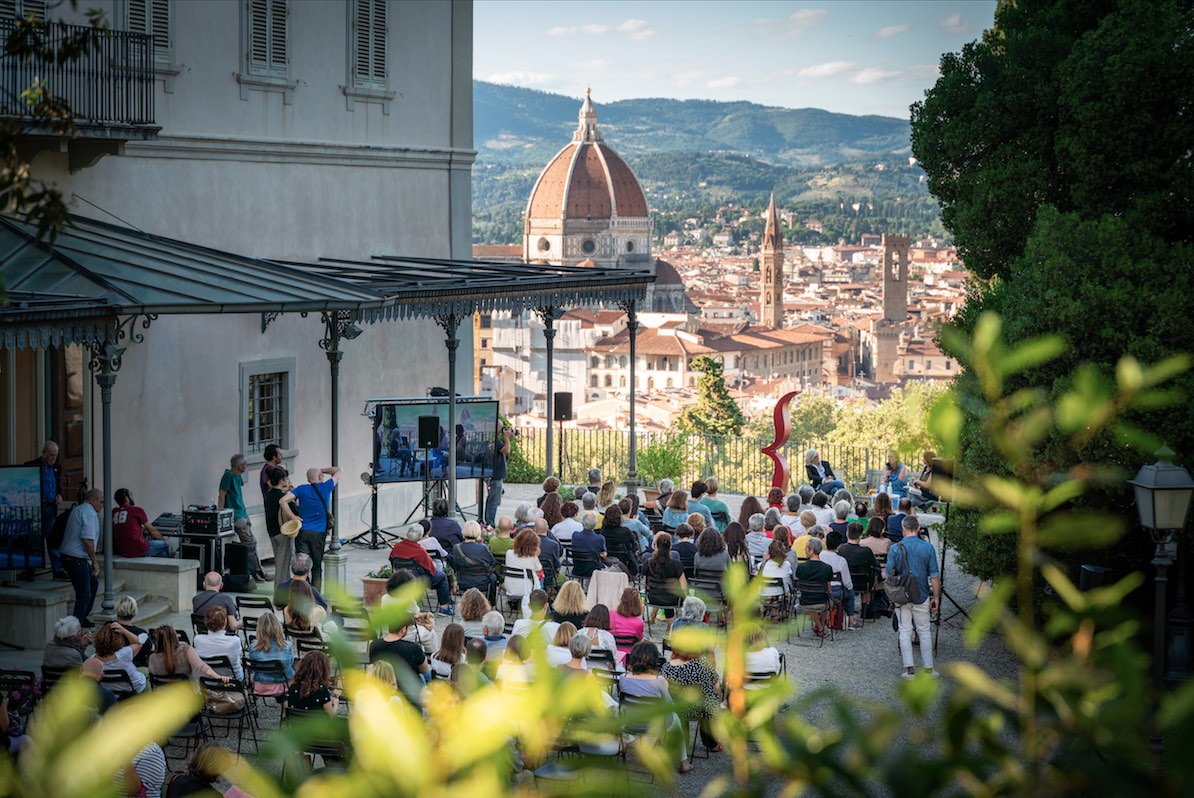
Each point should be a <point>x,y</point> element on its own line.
<point>258,604</point>
<point>778,605</point>
<point>119,683</point>
<point>198,625</point>
<point>50,677</point>
<point>192,733</point>
<point>819,607</point>
<point>658,586</point>
<point>587,561</point>
<point>864,582</point>
<point>523,580</point>
<point>417,570</point>
<point>253,669</point>
<point>322,736</point>
<point>245,717</point>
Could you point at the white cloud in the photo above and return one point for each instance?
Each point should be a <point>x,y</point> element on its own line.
<point>724,83</point>
<point>892,30</point>
<point>825,70</point>
<point>637,29</point>
<point>596,63</point>
<point>795,24</point>
<point>869,75</point>
<point>954,24</point>
<point>519,78</point>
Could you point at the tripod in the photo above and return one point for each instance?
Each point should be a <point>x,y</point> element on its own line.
<point>377,537</point>
<point>945,596</point>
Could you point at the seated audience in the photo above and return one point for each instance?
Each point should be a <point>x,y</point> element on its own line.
<point>633,520</point>
<point>473,562</point>
<point>695,495</point>
<point>302,613</point>
<point>883,508</point>
<point>516,667</point>
<point>841,586</point>
<point>642,680</point>
<point>116,648</point>
<point>691,676</point>
<point>841,511</point>
<point>691,613</point>
<point>300,571</point>
<point>735,539</point>
<point>538,607</point>
<point>696,524</point>
<point>408,549</point>
<point>621,544</point>
<point>717,508</point>
<point>172,657</point>
<point>771,521</point>
<point>522,558</point>
<point>606,496</point>
<point>144,774</point>
<point>383,672</point>
<point>895,529</point>
<point>451,653</point>
<point>570,605</point>
<point>791,516</point>
<point>568,525</point>
<point>876,537</point>
<point>218,642</point>
<point>626,622</point>
<point>676,512</point>
<point>761,656</point>
<point>494,625</point>
<point>813,570</point>
<point>821,510</point>
<point>132,534</point>
<point>808,530</point>
<point>589,541</point>
<point>861,559</point>
<point>558,652</point>
<point>206,767</point>
<point>271,645</point>
<point>502,540</point>
<point>684,545</point>
<point>553,510</point>
<point>596,627</point>
<point>806,493</point>
<point>711,552</point>
<point>776,566</point>
<point>473,675</point>
<point>666,584</point>
<point>750,506</point>
<point>666,486</point>
<point>775,498</point>
<point>68,647</point>
<point>126,610</point>
<point>579,648</point>
<point>550,485</point>
<point>312,687</point>
<point>444,529</point>
<point>405,656</point>
<point>210,596</point>
<point>757,540</point>
<point>473,606</point>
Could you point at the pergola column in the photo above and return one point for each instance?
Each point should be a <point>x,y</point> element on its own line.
<point>337,325</point>
<point>105,362</point>
<point>631,308</point>
<point>450,322</point>
<point>549,315</point>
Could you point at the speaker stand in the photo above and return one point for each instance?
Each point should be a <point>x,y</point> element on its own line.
<point>377,537</point>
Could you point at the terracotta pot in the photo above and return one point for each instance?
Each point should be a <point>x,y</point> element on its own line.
<point>373,590</point>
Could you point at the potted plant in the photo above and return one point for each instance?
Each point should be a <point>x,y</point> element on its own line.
<point>374,585</point>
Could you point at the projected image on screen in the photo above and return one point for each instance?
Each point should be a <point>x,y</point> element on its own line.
<point>20,518</point>
<point>411,441</point>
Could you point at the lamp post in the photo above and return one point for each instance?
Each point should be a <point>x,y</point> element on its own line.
<point>1163,492</point>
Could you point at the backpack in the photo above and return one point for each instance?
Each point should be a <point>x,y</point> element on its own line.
<point>902,588</point>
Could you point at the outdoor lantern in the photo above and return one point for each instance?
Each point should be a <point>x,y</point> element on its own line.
<point>1163,492</point>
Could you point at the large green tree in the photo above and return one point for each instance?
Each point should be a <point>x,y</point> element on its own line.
<point>1059,148</point>
<point>716,412</point>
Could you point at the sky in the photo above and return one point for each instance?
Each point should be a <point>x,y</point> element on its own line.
<point>856,57</point>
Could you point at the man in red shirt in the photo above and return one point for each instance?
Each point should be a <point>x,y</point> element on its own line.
<point>130,526</point>
<point>408,548</point>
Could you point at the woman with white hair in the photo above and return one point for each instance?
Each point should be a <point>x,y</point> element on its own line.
<point>68,648</point>
<point>126,609</point>
<point>820,474</point>
<point>691,613</point>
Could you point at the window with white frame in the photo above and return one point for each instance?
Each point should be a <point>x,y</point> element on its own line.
<point>266,40</point>
<point>267,405</point>
<point>12,9</point>
<point>369,63</point>
<point>152,17</point>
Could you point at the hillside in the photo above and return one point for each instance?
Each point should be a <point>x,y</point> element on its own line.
<point>695,155</point>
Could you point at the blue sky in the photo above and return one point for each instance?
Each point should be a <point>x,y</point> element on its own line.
<point>850,57</point>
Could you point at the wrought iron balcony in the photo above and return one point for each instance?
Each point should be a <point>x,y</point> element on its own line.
<point>108,89</point>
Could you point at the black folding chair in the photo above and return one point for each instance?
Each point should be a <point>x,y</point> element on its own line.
<point>119,683</point>
<point>245,717</point>
<point>193,732</point>
<point>415,568</point>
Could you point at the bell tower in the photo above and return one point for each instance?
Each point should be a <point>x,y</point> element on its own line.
<point>771,272</point>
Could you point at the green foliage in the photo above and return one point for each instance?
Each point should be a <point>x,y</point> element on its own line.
<point>715,412</point>
<point>901,421</point>
<point>665,459</point>
<point>813,417</point>
<point>1074,207</point>
<point>518,468</point>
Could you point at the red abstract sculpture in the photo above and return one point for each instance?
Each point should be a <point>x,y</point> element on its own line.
<point>783,428</point>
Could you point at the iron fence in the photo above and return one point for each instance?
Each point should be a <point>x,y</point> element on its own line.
<point>737,461</point>
<point>110,82</point>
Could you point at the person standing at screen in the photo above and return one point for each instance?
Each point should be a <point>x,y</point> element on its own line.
<point>494,497</point>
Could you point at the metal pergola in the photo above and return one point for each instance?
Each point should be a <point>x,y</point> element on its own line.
<point>101,286</point>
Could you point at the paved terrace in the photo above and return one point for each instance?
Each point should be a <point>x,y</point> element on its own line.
<point>864,663</point>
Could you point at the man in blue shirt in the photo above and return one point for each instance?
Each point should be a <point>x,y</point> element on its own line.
<point>232,498</point>
<point>587,540</point>
<point>694,504</point>
<point>918,558</point>
<point>51,497</point>
<point>78,553</point>
<point>315,502</point>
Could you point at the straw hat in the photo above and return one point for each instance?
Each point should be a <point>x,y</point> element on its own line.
<point>291,528</point>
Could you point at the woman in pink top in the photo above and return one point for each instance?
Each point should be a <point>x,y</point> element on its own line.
<point>626,622</point>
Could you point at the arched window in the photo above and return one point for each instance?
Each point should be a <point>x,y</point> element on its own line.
<point>692,382</point>
<point>593,381</point>
<point>594,362</point>
<point>622,361</point>
<point>650,383</point>
<point>609,361</point>
<point>609,381</point>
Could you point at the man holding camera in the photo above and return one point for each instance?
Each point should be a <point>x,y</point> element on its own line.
<point>494,498</point>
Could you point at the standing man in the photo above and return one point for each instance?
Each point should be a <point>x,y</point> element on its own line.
<point>315,501</point>
<point>273,457</point>
<point>494,497</point>
<point>918,558</point>
<point>51,497</point>
<point>78,553</point>
<point>232,497</point>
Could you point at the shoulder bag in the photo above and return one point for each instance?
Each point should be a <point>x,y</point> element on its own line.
<point>331,519</point>
<point>902,588</point>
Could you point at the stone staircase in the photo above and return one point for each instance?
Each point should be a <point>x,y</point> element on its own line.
<point>29,610</point>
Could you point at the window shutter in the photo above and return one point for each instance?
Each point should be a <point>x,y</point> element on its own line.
<point>380,30</point>
<point>159,26</point>
<point>363,34</point>
<point>11,9</point>
<point>278,57</point>
<point>258,36</point>
<point>138,13</point>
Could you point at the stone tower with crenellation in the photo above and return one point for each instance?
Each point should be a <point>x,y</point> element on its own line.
<point>895,306</point>
<point>771,271</point>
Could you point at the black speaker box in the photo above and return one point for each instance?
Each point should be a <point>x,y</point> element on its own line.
<point>428,432</point>
<point>239,583</point>
<point>236,559</point>
<point>562,409</point>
